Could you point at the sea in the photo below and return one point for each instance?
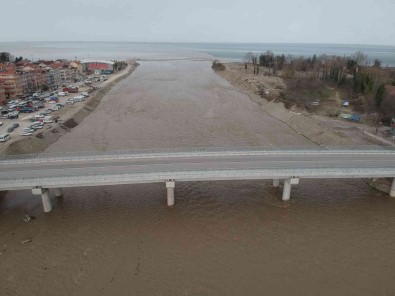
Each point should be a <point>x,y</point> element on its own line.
<point>225,51</point>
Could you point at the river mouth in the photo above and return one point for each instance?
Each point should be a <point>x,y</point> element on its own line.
<point>220,238</point>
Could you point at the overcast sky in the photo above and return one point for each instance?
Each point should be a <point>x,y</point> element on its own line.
<point>285,21</point>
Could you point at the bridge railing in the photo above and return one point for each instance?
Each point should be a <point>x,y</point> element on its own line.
<point>188,152</point>
<point>92,178</point>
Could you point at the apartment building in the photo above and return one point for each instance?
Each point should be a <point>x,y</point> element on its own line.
<point>2,93</point>
<point>12,82</point>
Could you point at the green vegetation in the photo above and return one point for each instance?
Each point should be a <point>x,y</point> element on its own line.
<point>380,95</point>
<point>5,57</point>
<point>217,66</point>
<point>322,77</point>
<point>119,65</point>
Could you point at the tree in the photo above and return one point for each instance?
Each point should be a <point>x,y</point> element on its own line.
<point>248,58</point>
<point>18,59</point>
<point>377,63</point>
<point>360,58</point>
<point>5,57</point>
<point>380,94</point>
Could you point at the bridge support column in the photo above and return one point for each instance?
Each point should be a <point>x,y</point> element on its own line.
<point>276,182</point>
<point>392,190</point>
<point>287,187</point>
<point>58,192</point>
<point>170,185</point>
<point>44,192</point>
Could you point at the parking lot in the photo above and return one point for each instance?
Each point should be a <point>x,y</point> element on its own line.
<point>21,118</point>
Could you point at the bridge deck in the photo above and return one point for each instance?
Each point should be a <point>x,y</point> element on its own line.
<point>74,170</point>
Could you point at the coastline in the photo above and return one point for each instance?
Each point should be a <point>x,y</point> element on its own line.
<point>34,145</point>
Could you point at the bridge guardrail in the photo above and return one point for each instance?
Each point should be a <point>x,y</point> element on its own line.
<point>217,174</point>
<point>187,152</point>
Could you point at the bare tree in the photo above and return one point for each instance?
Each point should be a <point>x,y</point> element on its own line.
<point>249,57</point>
<point>360,58</point>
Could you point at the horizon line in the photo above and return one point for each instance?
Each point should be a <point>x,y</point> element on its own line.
<point>197,42</point>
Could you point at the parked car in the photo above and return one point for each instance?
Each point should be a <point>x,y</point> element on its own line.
<point>24,133</point>
<point>79,98</point>
<point>26,110</point>
<point>28,130</point>
<point>4,114</point>
<point>15,125</point>
<point>70,101</point>
<point>48,119</point>
<point>4,137</point>
<point>1,123</point>
<point>85,94</point>
<point>36,126</point>
<point>13,115</point>
<point>10,129</point>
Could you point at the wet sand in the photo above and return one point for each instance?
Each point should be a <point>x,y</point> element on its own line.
<point>335,237</point>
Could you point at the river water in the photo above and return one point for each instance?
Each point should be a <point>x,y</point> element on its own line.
<point>335,237</point>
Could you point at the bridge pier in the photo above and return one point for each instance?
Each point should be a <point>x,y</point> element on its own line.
<point>276,182</point>
<point>46,199</point>
<point>170,185</point>
<point>392,190</point>
<point>58,192</point>
<point>287,187</point>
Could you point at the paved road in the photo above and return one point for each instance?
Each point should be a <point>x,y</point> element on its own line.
<point>137,168</point>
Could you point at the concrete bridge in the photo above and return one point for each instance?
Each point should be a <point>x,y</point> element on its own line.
<point>44,171</point>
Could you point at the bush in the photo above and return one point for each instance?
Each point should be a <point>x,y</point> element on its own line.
<point>217,66</point>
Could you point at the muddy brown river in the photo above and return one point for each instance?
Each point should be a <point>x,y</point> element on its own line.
<point>335,237</point>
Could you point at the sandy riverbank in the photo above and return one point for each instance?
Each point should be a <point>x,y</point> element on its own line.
<point>69,118</point>
<point>323,131</point>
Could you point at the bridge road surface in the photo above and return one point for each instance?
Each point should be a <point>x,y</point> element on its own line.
<point>78,171</point>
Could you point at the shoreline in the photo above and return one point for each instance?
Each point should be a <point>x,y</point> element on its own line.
<point>35,145</point>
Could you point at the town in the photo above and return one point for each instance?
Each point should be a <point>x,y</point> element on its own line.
<point>42,87</point>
